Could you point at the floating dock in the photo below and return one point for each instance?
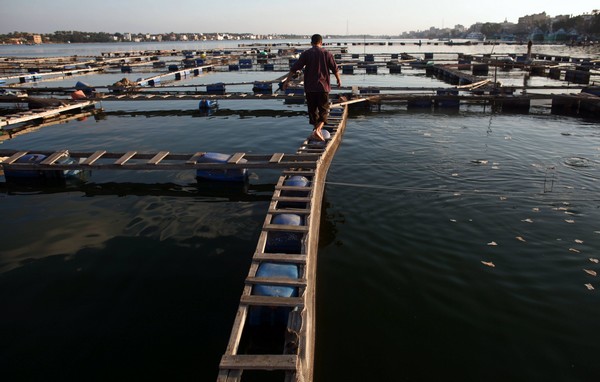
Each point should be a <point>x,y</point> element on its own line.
<point>295,354</point>
<point>279,293</point>
<point>44,113</point>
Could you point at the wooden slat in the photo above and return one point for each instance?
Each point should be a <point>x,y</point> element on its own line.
<point>294,188</point>
<point>158,157</point>
<point>299,211</point>
<point>259,362</point>
<point>94,157</point>
<point>14,157</point>
<point>194,158</point>
<point>54,157</point>
<point>127,156</point>
<point>228,375</point>
<point>289,302</point>
<point>291,199</point>
<point>299,172</point>
<point>280,257</point>
<point>281,281</point>
<point>285,228</point>
<point>310,151</point>
<point>237,330</point>
<point>276,158</point>
<point>235,158</point>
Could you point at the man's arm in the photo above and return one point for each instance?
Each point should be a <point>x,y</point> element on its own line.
<point>297,66</point>
<point>288,78</point>
<point>338,79</point>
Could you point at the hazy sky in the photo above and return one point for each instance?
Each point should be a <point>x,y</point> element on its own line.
<point>375,17</point>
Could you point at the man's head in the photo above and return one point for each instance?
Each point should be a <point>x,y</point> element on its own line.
<point>316,39</point>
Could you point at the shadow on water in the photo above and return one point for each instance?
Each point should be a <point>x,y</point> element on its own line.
<point>150,309</point>
<point>229,191</point>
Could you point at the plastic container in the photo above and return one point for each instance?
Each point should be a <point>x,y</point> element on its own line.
<point>285,242</point>
<point>261,315</point>
<point>13,174</point>
<point>221,175</point>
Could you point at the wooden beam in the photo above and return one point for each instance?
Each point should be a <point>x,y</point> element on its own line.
<point>286,302</point>
<point>158,157</point>
<point>15,157</point>
<point>127,156</point>
<point>54,157</point>
<point>93,158</point>
<point>276,158</point>
<point>280,257</point>
<point>259,362</point>
<point>285,228</point>
<point>235,158</point>
<point>280,281</point>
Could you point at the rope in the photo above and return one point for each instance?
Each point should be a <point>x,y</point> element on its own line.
<point>463,191</point>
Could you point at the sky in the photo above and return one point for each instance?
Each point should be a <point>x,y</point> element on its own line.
<point>304,17</point>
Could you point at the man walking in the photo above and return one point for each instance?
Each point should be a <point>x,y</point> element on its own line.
<point>318,64</point>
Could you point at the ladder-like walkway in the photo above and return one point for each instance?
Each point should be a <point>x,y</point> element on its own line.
<point>295,354</point>
<point>44,113</point>
<point>161,160</point>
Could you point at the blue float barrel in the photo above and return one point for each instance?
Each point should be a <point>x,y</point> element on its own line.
<point>14,174</point>
<point>222,175</point>
<point>260,315</point>
<point>285,242</point>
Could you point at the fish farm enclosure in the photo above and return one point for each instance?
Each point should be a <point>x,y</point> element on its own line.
<point>168,216</point>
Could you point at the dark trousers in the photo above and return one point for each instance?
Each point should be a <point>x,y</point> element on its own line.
<point>318,107</point>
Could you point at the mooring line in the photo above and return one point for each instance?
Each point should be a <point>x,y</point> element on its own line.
<point>463,191</point>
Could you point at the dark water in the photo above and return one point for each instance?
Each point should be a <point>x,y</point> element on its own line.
<point>404,294</point>
<point>137,275</point>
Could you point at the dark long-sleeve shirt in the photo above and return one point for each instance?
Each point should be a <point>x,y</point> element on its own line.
<point>318,64</point>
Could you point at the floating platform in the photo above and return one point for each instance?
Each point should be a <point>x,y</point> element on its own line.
<point>161,160</point>
<point>281,282</point>
<point>44,113</point>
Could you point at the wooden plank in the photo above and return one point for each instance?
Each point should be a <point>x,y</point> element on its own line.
<point>310,151</point>
<point>276,158</point>
<point>280,258</point>
<point>237,330</point>
<point>288,302</point>
<point>228,375</point>
<point>14,157</point>
<point>158,157</point>
<point>127,156</point>
<point>194,158</point>
<point>299,172</point>
<point>294,188</point>
<point>291,199</point>
<point>285,228</point>
<point>235,158</point>
<point>259,362</point>
<point>54,157</point>
<point>299,211</point>
<point>281,281</point>
<point>93,158</point>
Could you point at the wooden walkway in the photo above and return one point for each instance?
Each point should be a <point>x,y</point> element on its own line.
<point>44,113</point>
<point>295,354</point>
<point>161,160</point>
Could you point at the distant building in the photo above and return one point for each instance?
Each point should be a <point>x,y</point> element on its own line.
<point>35,39</point>
<point>533,20</point>
<point>127,36</point>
